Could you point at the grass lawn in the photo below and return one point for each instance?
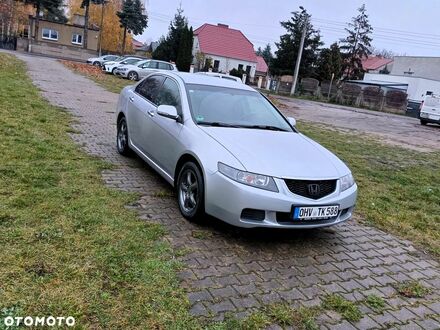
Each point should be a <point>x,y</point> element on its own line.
<point>69,246</point>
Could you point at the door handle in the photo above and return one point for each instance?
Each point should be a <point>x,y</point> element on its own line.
<point>150,113</point>
<point>131,98</point>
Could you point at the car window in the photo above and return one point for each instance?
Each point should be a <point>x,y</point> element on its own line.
<point>164,66</point>
<point>169,95</point>
<point>149,88</point>
<point>131,61</point>
<point>150,65</point>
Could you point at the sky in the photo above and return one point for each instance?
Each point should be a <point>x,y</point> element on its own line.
<point>406,27</point>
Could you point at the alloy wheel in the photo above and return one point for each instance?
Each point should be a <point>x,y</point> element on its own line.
<point>188,191</point>
<point>122,135</point>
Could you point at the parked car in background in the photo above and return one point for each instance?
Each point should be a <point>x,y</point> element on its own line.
<point>222,76</point>
<point>229,152</point>
<point>110,66</point>
<point>430,110</point>
<point>141,69</point>
<point>98,61</point>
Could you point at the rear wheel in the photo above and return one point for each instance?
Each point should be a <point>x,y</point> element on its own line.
<point>423,122</point>
<point>132,76</point>
<point>122,137</point>
<point>96,63</point>
<point>190,192</point>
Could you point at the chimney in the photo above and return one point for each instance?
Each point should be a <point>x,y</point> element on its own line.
<point>223,25</point>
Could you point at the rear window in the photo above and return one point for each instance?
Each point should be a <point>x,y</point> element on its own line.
<point>432,102</point>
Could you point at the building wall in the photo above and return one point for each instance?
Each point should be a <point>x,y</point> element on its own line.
<point>225,64</point>
<point>417,87</point>
<point>423,67</point>
<point>65,33</point>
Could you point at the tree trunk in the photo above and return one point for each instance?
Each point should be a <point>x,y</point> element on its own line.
<point>86,25</point>
<point>37,21</point>
<point>123,40</point>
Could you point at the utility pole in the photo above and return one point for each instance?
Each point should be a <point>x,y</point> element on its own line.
<point>301,46</point>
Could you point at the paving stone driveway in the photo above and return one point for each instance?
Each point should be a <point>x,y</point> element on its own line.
<point>231,270</point>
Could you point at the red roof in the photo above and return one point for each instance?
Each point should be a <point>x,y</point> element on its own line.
<point>375,62</point>
<point>261,64</point>
<point>136,43</point>
<point>220,40</point>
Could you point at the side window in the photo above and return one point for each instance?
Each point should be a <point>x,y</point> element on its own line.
<point>150,65</point>
<point>149,88</point>
<point>169,95</point>
<point>164,66</point>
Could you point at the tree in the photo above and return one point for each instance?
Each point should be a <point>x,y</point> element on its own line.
<point>356,45</point>
<point>265,53</point>
<point>288,47</point>
<point>86,5</point>
<point>385,53</point>
<point>48,6</point>
<point>329,62</point>
<point>131,18</point>
<point>177,45</point>
<point>112,34</point>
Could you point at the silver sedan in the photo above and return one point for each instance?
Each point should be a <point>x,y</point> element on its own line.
<point>229,153</point>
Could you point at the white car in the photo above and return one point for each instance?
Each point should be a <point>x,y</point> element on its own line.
<point>222,76</point>
<point>430,110</point>
<point>142,69</point>
<point>98,61</point>
<point>110,66</point>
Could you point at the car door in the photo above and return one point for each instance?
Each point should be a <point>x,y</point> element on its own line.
<point>165,143</point>
<point>147,68</point>
<point>141,111</point>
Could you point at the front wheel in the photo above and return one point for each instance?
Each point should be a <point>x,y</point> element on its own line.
<point>132,76</point>
<point>423,122</point>
<point>190,192</point>
<point>122,137</point>
<point>96,63</point>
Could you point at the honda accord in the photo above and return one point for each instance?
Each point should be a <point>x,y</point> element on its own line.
<point>229,153</point>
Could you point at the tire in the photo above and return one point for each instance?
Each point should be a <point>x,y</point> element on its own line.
<point>132,75</point>
<point>190,191</point>
<point>96,63</point>
<point>113,71</point>
<point>423,122</point>
<point>122,138</point>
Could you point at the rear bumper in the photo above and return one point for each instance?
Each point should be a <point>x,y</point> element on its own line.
<point>226,199</point>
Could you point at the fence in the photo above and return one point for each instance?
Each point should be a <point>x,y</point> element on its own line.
<point>8,42</point>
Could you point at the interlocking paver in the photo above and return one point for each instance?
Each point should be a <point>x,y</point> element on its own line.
<point>239,271</point>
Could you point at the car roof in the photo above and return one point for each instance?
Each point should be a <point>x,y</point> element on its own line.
<point>202,79</point>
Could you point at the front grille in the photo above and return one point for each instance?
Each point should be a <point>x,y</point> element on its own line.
<point>253,214</point>
<point>311,188</point>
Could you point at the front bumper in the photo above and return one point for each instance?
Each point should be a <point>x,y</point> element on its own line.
<point>226,199</point>
<point>429,117</point>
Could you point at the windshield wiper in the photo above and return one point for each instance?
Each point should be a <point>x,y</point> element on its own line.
<point>217,124</point>
<point>268,127</point>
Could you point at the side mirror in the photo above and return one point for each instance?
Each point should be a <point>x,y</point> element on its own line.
<point>292,121</point>
<point>168,111</point>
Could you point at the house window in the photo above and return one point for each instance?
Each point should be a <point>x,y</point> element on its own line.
<point>77,39</point>
<point>49,34</point>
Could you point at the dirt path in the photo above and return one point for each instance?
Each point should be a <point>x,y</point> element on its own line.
<point>389,128</point>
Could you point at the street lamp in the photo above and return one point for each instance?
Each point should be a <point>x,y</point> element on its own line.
<point>103,2</point>
<point>301,46</point>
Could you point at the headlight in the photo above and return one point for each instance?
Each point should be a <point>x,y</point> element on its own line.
<point>346,182</point>
<point>247,178</point>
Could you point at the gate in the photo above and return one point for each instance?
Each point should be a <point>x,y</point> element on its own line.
<point>8,42</point>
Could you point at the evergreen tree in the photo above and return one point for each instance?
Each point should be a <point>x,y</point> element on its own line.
<point>329,62</point>
<point>177,46</point>
<point>132,19</point>
<point>51,7</point>
<point>265,53</point>
<point>288,47</point>
<point>356,45</point>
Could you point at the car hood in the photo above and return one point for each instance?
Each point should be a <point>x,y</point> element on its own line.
<point>279,154</point>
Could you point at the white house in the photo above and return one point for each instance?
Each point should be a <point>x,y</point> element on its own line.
<point>227,48</point>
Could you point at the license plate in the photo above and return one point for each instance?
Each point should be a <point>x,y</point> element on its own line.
<point>315,212</point>
<point>434,117</point>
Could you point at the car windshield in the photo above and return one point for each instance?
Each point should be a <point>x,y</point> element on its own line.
<point>432,102</point>
<point>230,107</point>
<point>120,58</point>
